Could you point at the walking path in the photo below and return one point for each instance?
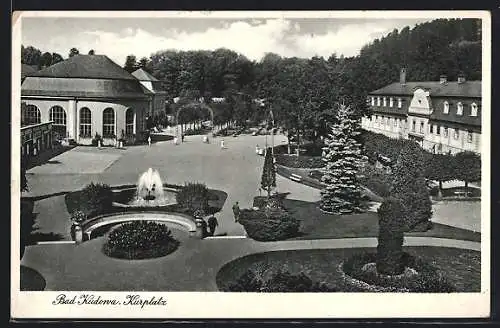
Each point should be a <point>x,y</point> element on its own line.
<point>193,267</point>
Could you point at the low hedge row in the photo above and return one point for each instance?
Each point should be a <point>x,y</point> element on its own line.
<point>303,161</point>
<point>427,279</point>
<point>268,224</point>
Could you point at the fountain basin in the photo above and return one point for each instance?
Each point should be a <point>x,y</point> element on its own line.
<point>127,198</point>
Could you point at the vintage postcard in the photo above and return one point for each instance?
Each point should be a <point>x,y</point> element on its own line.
<point>250,164</point>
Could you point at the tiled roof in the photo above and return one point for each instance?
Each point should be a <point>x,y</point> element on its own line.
<point>82,87</point>
<point>470,89</point>
<point>27,70</point>
<point>142,75</point>
<point>86,66</point>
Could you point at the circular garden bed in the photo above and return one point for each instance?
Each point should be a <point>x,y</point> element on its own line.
<point>140,240</point>
<point>441,269</point>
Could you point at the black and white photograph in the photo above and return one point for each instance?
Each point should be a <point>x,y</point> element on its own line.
<point>250,164</point>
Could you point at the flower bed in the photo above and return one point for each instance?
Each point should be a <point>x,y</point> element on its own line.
<point>419,276</point>
<point>140,240</point>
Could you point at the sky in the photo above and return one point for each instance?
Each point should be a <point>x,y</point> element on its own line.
<point>252,37</point>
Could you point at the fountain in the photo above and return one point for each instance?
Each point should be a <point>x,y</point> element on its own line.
<point>150,191</point>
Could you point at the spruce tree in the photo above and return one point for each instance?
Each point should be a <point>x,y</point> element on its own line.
<point>343,158</point>
<point>268,181</point>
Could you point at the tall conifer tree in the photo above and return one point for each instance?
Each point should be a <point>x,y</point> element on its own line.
<point>343,158</point>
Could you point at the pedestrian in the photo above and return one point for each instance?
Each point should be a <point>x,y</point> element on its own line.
<point>236,211</point>
<point>176,141</point>
<point>149,141</point>
<point>222,145</point>
<point>257,149</point>
<point>212,224</point>
<point>182,137</point>
<point>204,228</point>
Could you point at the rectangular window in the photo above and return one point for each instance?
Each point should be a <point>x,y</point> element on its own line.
<point>395,122</point>
<point>445,132</point>
<point>456,134</point>
<point>421,127</point>
<point>430,128</point>
<point>400,102</point>
<point>469,136</point>
<point>413,127</point>
<point>438,130</point>
<point>391,102</point>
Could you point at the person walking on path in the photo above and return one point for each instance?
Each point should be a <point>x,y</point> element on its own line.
<point>182,137</point>
<point>236,211</point>
<point>222,145</point>
<point>212,224</point>
<point>149,141</point>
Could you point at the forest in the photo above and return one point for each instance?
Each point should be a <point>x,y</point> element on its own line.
<point>304,93</point>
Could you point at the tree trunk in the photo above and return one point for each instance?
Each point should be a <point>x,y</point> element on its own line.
<point>440,189</point>
<point>298,143</point>
<point>289,149</point>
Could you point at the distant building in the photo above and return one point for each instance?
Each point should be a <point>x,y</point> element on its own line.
<point>442,116</point>
<point>152,86</point>
<point>85,95</point>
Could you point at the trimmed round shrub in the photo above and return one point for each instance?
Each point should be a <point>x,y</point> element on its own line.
<point>93,200</point>
<point>193,197</point>
<point>269,224</point>
<point>420,276</point>
<point>140,240</point>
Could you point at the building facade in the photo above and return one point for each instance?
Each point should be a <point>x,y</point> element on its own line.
<point>442,116</point>
<point>152,87</point>
<point>83,96</point>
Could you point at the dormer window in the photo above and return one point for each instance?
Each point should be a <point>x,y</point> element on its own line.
<point>391,102</point>
<point>473,109</point>
<point>385,101</point>
<point>460,109</point>
<point>400,102</point>
<point>446,107</point>
<point>373,101</point>
<point>378,101</point>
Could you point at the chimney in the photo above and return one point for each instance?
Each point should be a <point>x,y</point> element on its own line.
<point>442,79</point>
<point>402,76</point>
<point>461,78</point>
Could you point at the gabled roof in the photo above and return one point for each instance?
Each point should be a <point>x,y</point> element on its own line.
<point>470,89</point>
<point>142,75</point>
<point>86,66</point>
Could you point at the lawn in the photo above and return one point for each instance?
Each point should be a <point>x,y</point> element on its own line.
<point>31,280</point>
<point>316,224</point>
<point>461,267</point>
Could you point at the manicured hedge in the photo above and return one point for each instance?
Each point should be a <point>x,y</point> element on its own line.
<point>94,199</point>
<point>302,161</point>
<point>279,282</point>
<point>269,224</point>
<point>193,197</point>
<point>427,280</point>
<point>140,240</point>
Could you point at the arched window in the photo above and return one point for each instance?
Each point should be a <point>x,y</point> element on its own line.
<point>446,107</point>
<point>58,118</point>
<point>30,115</point>
<point>85,123</point>
<point>460,109</point>
<point>129,122</point>
<point>108,123</point>
<point>473,109</point>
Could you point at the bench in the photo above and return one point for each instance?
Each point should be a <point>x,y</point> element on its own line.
<point>460,193</point>
<point>295,177</point>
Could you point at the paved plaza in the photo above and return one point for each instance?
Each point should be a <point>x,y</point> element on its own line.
<point>236,170</point>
